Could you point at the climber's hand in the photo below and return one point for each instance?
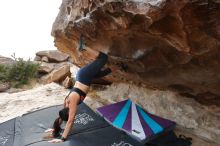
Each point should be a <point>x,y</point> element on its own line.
<point>55,140</point>
<point>49,130</point>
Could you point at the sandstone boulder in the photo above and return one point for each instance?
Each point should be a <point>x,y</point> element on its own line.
<point>53,55</point>
<point>44,59</point>
<point>46,67</point>
<point>167,44</point>
<point>57,75</point>
<point>68,82</point>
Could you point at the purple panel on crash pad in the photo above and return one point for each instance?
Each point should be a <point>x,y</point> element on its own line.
<point>110,112</point>
<point>147,130</point>
<point>127,123</point>
<point>161,121</point>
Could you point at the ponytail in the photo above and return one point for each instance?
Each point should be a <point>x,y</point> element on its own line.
<point>63,116</point>
<point>56,127</point>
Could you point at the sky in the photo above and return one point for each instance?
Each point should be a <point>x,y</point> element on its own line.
<point>25,26</point>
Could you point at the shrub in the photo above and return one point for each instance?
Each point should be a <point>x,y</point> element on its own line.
<point>18,73</point>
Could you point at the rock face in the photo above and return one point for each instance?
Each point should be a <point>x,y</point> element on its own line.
<point>164,44</point>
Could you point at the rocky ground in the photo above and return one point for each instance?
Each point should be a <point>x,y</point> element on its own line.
<point>16,104</point>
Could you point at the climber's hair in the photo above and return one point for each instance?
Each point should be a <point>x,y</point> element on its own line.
<point>63,116</point>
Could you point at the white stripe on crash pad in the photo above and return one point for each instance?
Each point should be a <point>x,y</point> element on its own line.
<point>137,129</point>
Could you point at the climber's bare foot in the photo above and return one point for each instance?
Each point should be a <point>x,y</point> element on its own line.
<point>114,68</point>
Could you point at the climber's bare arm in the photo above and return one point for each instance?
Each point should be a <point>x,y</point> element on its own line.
<point>74,100</point>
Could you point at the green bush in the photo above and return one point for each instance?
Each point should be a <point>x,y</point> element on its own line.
<point>18,73</point>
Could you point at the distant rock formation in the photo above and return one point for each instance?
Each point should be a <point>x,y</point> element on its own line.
<point>6,60</point>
